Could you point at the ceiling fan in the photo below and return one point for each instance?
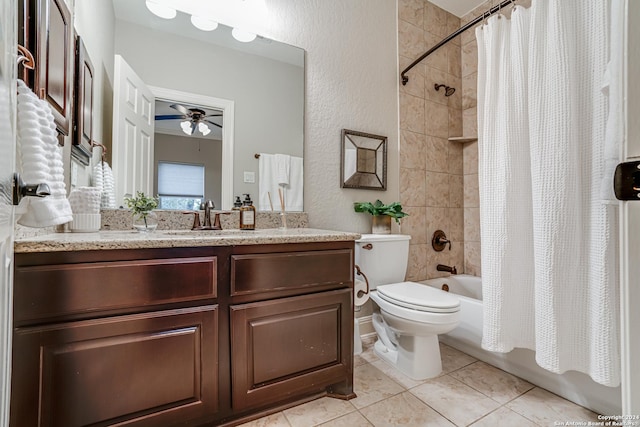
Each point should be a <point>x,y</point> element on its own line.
<point>192,119</point>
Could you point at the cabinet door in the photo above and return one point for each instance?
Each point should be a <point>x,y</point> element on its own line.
<point>291,346</point>
<point>152,369</point>
<point>54,59</point>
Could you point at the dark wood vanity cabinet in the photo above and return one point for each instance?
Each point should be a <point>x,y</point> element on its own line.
<point>179,336</point>
<point>115,337</point>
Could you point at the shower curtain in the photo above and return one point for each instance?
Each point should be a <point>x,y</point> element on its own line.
<point>549,242</point>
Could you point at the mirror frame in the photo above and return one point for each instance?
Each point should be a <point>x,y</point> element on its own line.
<point>380,154</point>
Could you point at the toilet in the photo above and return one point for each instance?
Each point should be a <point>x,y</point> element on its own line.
<point>411,315</point>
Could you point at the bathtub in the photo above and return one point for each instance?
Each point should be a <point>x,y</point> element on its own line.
<point>467,337</point>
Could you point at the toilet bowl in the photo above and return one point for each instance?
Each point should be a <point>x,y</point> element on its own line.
<point>409,316</point>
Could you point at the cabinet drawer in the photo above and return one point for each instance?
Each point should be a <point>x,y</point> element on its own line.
<point>50,291</point>
<point>151,369</point>
<point>290,271</point>
<point>290,345</point>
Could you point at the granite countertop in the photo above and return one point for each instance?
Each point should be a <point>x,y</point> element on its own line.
<point>104,240</point>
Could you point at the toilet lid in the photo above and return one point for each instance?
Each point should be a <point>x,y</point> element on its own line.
<point>419,297</point>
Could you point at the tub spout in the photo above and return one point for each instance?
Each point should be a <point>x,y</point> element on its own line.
<point>442,267</point>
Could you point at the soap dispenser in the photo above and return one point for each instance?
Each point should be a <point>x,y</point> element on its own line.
<point>247,214</point>
<point>237,204</point>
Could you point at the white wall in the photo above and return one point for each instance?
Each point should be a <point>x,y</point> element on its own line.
<point>351,82</point>
<point>199,151</point>
<point>95,22</point>
<point>268,94</point>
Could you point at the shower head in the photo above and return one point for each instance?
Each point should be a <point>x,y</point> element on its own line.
<point>448,91</point>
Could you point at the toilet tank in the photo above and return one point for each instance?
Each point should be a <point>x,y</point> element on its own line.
<point>383,257</point>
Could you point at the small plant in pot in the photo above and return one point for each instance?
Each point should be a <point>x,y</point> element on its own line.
<point>382,214</point>
<point>144,219</point>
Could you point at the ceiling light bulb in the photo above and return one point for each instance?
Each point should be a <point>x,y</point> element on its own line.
<point>204,24</point>
<point>242,35</point>
<point>161,10</point>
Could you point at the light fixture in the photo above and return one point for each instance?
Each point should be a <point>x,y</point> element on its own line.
<point>242,35</point>
<point>186,127</point>
<point>202,23</point>
<point>204,129</point>
<point>161,10</point>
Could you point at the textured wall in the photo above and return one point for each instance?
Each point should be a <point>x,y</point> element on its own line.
<point>351,82</point>
<point>431,172</point>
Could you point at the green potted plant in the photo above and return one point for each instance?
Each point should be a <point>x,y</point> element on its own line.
<point>144,219</point>
<point>382,214</point>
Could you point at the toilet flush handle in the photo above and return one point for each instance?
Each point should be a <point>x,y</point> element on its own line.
<point>368,246</point>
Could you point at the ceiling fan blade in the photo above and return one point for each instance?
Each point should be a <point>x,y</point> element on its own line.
<point>181,108</point>
<point>214,123</point>
<point>171,117</point>
<point>213,115</point>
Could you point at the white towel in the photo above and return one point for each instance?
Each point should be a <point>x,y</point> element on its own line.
<point>102,178</point>
<point>40,161</point>
<point>282,167</point>
<point>268,182</point>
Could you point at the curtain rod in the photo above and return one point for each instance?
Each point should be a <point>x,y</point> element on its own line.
<point>451,36</point>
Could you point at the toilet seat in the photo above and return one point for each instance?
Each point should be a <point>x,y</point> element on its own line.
<point>419,297</point>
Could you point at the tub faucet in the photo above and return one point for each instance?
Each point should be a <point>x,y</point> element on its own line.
<point>442,267</point>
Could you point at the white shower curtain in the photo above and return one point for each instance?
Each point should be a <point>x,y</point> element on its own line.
<point>548,241</point>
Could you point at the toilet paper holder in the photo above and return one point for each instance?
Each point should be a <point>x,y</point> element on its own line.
<point>360,273</point>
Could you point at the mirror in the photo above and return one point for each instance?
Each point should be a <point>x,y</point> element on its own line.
<point>262,79</point>
<point>363,160</point>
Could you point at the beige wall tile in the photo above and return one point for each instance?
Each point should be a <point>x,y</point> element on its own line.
<point>469,58</point>
<point>411,40</point>
<point>472,258</point>
<point>436,153</point>
<point>437,189</point>
<point>411,11</point>
<point>417,267</point>
<point>471,193</point>
<point>454,59</point>
<point>434,258</point>
<point>437,119</point>
<point>435,20</point>
<point>456,194</point>
<point>455,100</point>
<point>416,84</point>
<point>453,23</point>
<point>456,256</point>
<point>455,122</point>
<point>415,224</point>
<point>456,226</point>
<point>455,158</point>
<point>412,187</point>
<point>471,224</point>
<point>470,91</point>
<point>470,156</point>
<point>412,113</point>
<point>412,150</point>
<point>470,122</point>
<point>437,59</point>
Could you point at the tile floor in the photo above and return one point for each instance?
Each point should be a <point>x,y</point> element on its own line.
<point>468,393</point>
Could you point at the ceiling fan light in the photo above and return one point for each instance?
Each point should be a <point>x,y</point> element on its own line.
<point>242,35</point>
<point>204,24</point>
<point>204,129</point>
<point>161,10</point>
<point>186,127</point>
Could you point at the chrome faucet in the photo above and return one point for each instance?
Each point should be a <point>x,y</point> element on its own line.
<point>442,267</point>
<point>207,206</point>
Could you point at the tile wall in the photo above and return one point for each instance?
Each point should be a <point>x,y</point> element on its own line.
<point>431,167</point>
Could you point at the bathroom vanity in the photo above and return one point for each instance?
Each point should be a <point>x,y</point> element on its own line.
<point>179,329</point>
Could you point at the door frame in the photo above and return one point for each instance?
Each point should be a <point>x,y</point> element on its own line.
<point>630,222</point>
<point>227,107</point>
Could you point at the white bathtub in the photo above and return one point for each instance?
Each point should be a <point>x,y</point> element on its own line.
<point>467,337</point>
